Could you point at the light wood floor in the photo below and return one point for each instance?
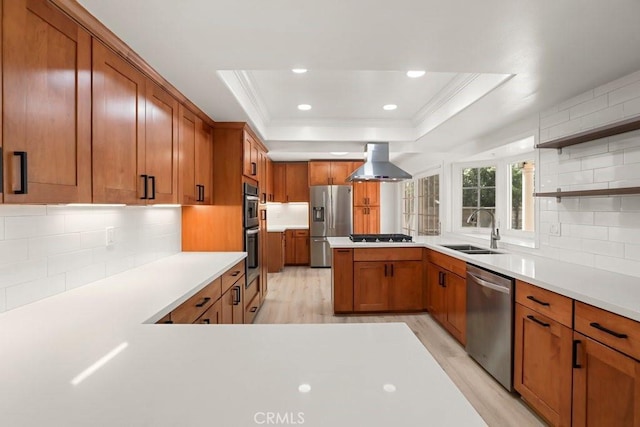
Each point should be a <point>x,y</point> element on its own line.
<point>303,295</point>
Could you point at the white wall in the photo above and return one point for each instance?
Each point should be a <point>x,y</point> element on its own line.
<point>287,215</point>
<point>604,231</point>
<point>46,250</point>
<point>390,208</point>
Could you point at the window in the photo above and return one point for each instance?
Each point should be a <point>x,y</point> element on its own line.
<point>429,206</point>
<point>522,201</point>
<point>408,207</point>
<point>478,191</point>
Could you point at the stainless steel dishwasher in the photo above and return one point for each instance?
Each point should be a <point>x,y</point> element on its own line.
<point>490,322</point>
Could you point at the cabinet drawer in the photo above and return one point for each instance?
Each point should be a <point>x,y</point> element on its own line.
<point>452,264</point>
<point>555,306</point>
<point>212,316</point>
<point>195,306</point>
<point>252,309</point>
<point>301,233</point>
<point>232,275</point>
<point>165,320</point>
<point>616,331</point>
<point>388,254</point>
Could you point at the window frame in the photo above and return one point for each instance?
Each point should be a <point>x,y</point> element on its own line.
<point>416,187</point>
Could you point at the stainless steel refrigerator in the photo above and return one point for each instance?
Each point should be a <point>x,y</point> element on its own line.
<point>330,216</point>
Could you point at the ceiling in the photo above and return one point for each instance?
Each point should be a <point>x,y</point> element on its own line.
<point>488,64</point>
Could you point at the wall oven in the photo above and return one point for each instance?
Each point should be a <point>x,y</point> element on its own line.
<point>252,248</point>
<point>251,201</point>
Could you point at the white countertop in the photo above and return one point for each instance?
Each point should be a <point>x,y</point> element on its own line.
<point>615,292</point>
<point>226,375</point>
<point>282,228</point>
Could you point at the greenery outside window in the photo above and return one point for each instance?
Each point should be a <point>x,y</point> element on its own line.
<point>408,208</point>
<point>429,206</point>
<point>478,191</point>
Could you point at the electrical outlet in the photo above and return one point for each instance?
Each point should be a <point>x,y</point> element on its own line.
<point>110,236</point>
<point>554,229</point>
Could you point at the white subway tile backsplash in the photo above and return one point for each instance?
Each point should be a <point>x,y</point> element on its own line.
<point>624,140</point>
<point>68,261</point>
<point>618,83</point>
<point>22,271</point>
<point>27,292</point>
<point>602,117</point>
<point>617,173</point>
<point>632,155</point>
<point>565,242</point>
<point>630,203</point>
<point>577,217</point>
<point>631,108</point>
<point>624,183</point>
<point>632,252</point>
<point>585,231</point>
<point>617,219</point>
<point>20,227</point>
<point>554,119</point>
<point>600,247</point>
<point>572,165</point>
<point>600,204</point>
<point>549,216</point>
<point>604,160</point>
<point>588,107</point>
<point>592,148</point>
<point>65,246</point>
<point>626,235</point>
<point>88,274</point>
<point>579,99</point>
<point>617,265</point>
<point>564,129</point>
<point>624,94</point>
<point>12,251</point>
<point>572,178</point>
<point>548,112</point>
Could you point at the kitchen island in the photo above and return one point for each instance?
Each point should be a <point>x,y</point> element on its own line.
<point>92,356</point>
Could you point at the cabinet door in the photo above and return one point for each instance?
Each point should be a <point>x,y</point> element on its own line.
<point>370,286</point>
<point>213,315</point>
<point>342,280</point>
<point>118,129</point>
<point>238,303</point>
<point>542,364</point>
<point>456,303</point>
<point>373,193</point>
<point>319,173</point>
<point>340,171</point>
<point>250,152</point>
<point>359,194</point>
<point>204,161</point>
<point>270,196</point>
<point>46,105</point>
<point>297,182</point>
<point>279,182</point>
<point>289,248</point>
<point>406,285</point>
<point>436,293</point>
<point>189,193</point>
<point>606,386</point>
<point>359,220</point>
<point>302,255</point>
<point>275,242</point>
<point>161,146</point>
<point>373,220</point>
<point>226,306</point>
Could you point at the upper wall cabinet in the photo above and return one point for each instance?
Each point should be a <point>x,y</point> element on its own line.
<point>330,173</point>
<point>251,162</point>
<point>196,158</point>
<point>46,105</point>
<point>118,130</point>
<point>161,144</point>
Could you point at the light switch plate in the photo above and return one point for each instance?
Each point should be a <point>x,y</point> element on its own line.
<point>554,229</point>
<point>110,236</point>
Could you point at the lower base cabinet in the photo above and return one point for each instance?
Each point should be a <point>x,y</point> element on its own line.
<point>447,299</point>
<point>213,315</point>
<point>232,307</point>
<point>542,372</point>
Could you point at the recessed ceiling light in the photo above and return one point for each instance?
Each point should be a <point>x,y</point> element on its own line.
<point>304,107</point>
<point>299,70</point>
<point>339,153</point>
<point>415,73</point>
<point>304,388</point>
<point>389,107</point>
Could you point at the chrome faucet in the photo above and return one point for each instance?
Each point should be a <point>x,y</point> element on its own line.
<point>495,233</point>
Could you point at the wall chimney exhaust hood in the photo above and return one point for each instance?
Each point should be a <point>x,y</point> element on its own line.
<point>377,166</point>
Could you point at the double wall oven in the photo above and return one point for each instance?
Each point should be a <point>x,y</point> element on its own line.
<point>251,225</point>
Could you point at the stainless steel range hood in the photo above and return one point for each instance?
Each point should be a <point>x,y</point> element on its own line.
<point>377,166</point>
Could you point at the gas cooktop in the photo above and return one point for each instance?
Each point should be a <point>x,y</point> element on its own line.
<point>380,238</point>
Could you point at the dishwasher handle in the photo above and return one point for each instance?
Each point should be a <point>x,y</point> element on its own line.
<point>489,285</point>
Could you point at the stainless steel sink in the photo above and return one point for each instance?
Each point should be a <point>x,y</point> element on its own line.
<point>472,250</point>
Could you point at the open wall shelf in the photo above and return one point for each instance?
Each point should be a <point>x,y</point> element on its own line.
<point>592,134</point>
<point>627,191</point>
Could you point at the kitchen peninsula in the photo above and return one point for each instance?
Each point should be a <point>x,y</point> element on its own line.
<point>109,364</point>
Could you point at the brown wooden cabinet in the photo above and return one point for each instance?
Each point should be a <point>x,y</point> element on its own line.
<point>447,291</point>
<point>263,286</point>
<point>196,159</point>
<point>387,279</point>
<point>251,159</point>
<point>342,280</point>
<point>46,124</point>
<point>366,220</point>
<point>330,172</point>
<point>366,194</point>
<point>232,305</point>
<point>118,129</point>
<point>297,251</point>
<point>290,182</point>
<point>275,247</point>
<point>213,315</point>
